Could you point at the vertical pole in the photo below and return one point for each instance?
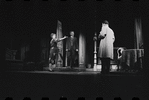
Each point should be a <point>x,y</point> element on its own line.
<point>59,62</point>
<point>95,45</point>
<point>82,50</point>
<point>95,54</point>
<point>66,59</point>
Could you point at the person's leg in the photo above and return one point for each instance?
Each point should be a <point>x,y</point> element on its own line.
<point>107,65</point>
<point>50,64</point>
<point>103,65</point>
<point>50,59</point>
<point>76,64</point>
<point>50,67</point>
<point>55,59</point>
<point>73,58</point>
<point>68,58</point>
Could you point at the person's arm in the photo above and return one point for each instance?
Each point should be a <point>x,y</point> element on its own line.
<point>94,38</point>
<point>102,34</point>
<point>60,39</point>
<point>51,42</point>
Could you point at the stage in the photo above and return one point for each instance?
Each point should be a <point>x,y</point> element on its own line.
<point>73,84</point>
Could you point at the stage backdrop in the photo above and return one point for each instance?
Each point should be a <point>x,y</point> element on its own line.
<point>59,34</point>
<point>82,50</point>
<point>25,47</point>
<point>138,39</point>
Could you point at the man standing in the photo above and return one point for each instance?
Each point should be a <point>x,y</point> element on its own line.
<point>105,53</point>
<point>71,49</point>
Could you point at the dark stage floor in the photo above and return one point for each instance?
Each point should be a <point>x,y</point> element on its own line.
<point>88,84</point>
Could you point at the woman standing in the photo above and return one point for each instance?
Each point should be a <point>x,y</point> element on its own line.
<point>54,49</point>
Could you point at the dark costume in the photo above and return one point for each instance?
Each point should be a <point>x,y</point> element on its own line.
<point>53,50</point>
<point>71,46</point>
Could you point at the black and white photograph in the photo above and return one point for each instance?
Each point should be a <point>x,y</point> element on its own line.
<point>73,49</point>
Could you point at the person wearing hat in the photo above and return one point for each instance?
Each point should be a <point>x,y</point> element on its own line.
<point>105,53</point>
<point>53,49</point>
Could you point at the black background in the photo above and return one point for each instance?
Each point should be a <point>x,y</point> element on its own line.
<point>36,18</point>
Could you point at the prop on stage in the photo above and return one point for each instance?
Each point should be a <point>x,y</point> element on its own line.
<point>95,53</point>
<point>59,59</point>
<point>119,57</point>
<point>132,59</point>
<point>10,54</point>
<point>82,51</point>
<point>138,35</point>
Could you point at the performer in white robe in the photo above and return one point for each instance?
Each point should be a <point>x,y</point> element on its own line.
<point>107,39</point>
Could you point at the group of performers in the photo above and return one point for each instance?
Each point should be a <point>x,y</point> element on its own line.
<point>106,38</point>
<point>71,49</point>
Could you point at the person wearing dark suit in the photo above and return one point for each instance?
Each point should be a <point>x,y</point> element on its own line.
<point>71,49</point>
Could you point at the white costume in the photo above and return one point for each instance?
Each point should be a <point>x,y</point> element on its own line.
<point>106,44</point>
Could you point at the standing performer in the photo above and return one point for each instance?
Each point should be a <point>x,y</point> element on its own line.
<point>105,53</point>
<point>54,49</point>
<point>71,49</point>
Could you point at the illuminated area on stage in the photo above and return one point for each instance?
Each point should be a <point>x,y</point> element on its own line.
<point>124,59</point>
<point>29,48</point>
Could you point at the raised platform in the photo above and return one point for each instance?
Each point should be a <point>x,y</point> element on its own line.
<point>18,65</point>
<point>66,69</point>
<point>113,68</point>
<point>88,84</point>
